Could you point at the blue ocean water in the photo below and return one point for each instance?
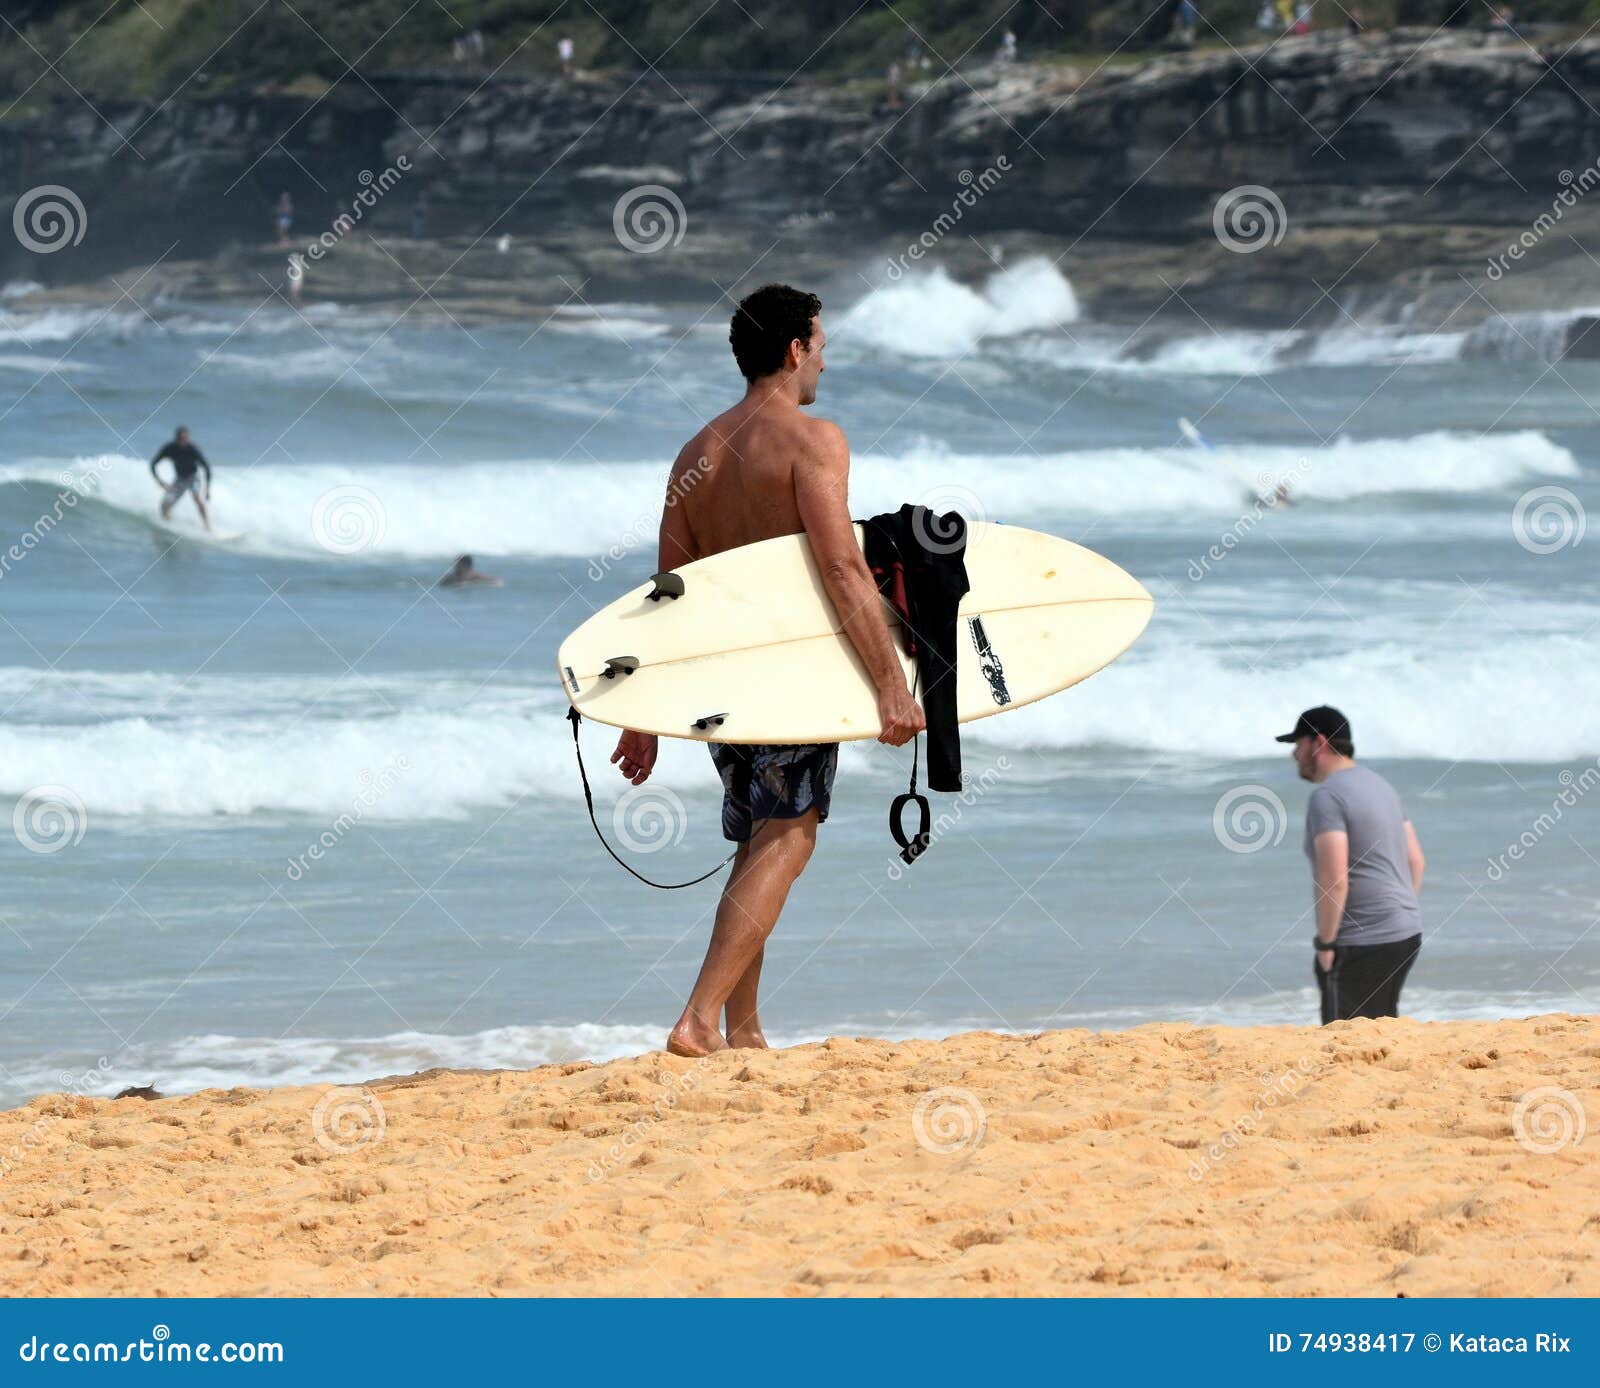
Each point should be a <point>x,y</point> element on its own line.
<point>279,809</point>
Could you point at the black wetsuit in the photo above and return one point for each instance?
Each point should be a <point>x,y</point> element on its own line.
<point>185,458</point>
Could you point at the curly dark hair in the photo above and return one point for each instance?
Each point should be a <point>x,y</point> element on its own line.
<point>764,325</point>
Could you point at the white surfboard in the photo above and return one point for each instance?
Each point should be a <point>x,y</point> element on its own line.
<point>754,652</point>
<point>193,530</point>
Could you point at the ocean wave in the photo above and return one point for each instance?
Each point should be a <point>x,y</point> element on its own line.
<point>929,314</point>
<point>394,747</point>
<point>216,1061</point>
<point>410,765</point>
<point>1115,481</point>
<point>1242,351</point>
<point>1513,699</point>
<point>609,511</point>
<point>401,749</point>
<point>69,323</point>
<point>221,1061</point>
<point>65,324</point>
<point>34,364</point>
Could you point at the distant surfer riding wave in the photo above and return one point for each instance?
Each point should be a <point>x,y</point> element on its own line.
<point>187,462</point>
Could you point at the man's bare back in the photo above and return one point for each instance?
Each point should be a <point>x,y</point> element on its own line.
<point>736,477</point>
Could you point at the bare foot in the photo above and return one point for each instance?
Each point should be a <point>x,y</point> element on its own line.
<point>692,1038</point>
<point>747,1038</point>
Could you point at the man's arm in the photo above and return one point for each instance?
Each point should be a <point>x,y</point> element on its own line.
<point>159,456</point>
<point>1332,876</point>
<point>201,459</point>
<point>1414,857</point>
<point>675,546</point>
<point>821,486</point>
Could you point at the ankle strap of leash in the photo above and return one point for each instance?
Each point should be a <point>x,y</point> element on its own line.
<point>916,845</point>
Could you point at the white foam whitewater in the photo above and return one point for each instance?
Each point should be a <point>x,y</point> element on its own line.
<point>930,314</point>
<point>392,748</point>
<point>1502,697</point>
<point>608,511</point>
<point>216,1061</point>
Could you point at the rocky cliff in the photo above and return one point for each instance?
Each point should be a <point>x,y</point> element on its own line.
<point>1382,167</point>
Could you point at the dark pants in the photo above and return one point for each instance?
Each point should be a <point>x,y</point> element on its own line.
<point>1365,980</point>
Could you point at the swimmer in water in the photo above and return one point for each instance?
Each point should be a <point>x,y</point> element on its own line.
<point>463,575</point>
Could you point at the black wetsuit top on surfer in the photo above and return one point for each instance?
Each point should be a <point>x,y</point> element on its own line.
<point>186,460</point>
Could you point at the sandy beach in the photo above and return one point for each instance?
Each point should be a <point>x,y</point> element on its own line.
<point>1368,1158</point>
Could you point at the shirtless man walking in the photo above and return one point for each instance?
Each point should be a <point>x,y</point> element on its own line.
<point>763,469</point>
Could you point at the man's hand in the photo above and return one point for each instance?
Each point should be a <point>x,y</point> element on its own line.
<point>1325,960</point>
<point>637,753</point>
<point>900,717</point>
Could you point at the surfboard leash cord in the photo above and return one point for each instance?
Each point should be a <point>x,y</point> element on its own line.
<point>575,718</point>
<point>911,846</point>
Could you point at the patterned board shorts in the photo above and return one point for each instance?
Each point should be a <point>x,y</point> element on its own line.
<point>773,782</point>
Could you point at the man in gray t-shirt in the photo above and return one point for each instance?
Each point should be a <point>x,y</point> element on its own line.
<point>1366,866</point>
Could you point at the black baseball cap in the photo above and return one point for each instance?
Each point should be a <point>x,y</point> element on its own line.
<point>1321,721</point>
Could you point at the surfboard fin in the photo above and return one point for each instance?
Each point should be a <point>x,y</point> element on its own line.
<point>667,585</point>
<point>620,665</point>
<point>711,720</point>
